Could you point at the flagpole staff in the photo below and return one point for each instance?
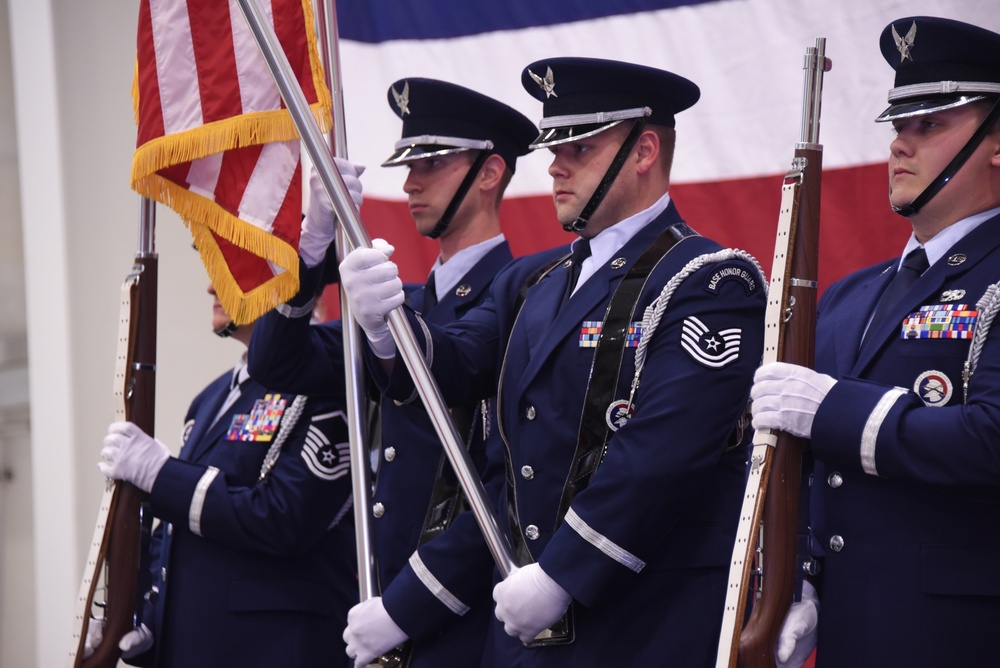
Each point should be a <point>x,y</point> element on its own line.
<point>399,326</point>
<point>353,361</point>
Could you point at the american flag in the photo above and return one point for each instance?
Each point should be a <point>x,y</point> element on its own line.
<point>215,144</point>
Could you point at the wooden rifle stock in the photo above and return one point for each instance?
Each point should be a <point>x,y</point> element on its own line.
<point>769,521</point>
<point>115,554</point>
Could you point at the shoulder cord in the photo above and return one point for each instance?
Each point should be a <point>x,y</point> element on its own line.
<point>654,312</point>
<point>288,422</point>
<point>988,305</point>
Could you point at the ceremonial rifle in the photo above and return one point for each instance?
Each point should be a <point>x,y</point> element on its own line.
<point>773,484</point>
<point>116,548</point>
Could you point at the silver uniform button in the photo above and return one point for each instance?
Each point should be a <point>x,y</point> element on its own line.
<point>390,453</point>
<point>527,472</point>
<point>163,573</point>
<point>530,413</point>
<point>835,480</point>
<point>531,531</point>
<point>836,543</point>
<point>378,510</point>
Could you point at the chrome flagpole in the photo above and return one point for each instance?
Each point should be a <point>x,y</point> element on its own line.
<point>353,361</point>
<point>399,326</point>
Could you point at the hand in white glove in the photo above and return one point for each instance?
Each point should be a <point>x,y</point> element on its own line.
<point>371,282</point>
<point>136,641</point>
<point>529,601</point>
<point>130,454</point>
<point>370,632</point>
<point>133,643</point>
<point>798,634</point>
<point>786,397</point>
<point>320,222</point>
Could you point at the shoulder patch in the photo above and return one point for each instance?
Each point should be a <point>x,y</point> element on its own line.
<point>726,272</point>
<point>712,348</point>
<point>324,458</point>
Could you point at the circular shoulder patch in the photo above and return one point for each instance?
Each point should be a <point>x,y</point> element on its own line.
<point>934,388</point>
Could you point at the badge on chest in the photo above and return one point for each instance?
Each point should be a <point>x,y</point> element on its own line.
<point>261,424</point>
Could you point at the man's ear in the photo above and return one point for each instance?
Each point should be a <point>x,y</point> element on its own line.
<point>492,171</point>
<point>647,149</point>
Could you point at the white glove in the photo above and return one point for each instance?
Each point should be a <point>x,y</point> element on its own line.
<point>95,634</point>
<point>320,223</point>
<point>529,601</point>
<point>136,641</point>
<point>371,283</point>
<point>130,454</point>
<point>797,639</point>
<point>370,632</point>
<point>133,643</point>
<point>786,397</point>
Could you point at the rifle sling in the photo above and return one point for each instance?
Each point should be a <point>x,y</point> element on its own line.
<point>594,432</point>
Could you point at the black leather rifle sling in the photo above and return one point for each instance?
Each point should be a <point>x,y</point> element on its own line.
<point>594,431</point>
<point>603,378</point>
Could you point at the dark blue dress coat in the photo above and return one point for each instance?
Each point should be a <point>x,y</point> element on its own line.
<point>906,491</point>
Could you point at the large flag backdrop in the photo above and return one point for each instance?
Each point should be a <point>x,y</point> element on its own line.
<point>215,143</point>
<point>733,147</point>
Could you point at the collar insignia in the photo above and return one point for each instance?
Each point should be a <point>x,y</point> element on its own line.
<point>403,99</point>
<point>548,84</point>
<point>618,263</point>
<point>904,44</point>
<point>957,259</point>
<point>464,290</point>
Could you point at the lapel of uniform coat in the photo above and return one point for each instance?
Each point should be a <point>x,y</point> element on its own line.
<point>973,247</point>
<point>590,300</point>
<point>470,288</point>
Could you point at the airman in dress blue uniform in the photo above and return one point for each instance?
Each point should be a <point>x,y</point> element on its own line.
<point>253,561</point>
<point>620,389</point>
<point>903,408</point>
<point>461,149</point>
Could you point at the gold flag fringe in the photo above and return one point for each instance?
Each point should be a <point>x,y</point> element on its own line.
<point>203,216</point>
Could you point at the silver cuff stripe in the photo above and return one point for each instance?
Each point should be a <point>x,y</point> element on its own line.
<point>198,499</point>
<point>623,557</point>
<point>870,434</point>
<point>296,311</point>
<point>449,600</point>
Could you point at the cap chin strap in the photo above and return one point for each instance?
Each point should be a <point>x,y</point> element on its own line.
<point>609,177</point>
<point>956,163</point>
<point>456,200</point>
<point>226,330</point>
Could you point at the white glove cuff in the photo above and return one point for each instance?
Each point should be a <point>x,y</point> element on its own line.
<point>382,344</point>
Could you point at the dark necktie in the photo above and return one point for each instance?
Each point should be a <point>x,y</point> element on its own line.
<point>581,251</point>
<point>430,293</point>
<point>913,266</point>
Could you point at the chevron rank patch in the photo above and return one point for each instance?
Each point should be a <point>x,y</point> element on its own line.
<point>714,349</point>
<point>590,333</point>
<point>261,423</point>
<point>940,321</point>
<point>324,459</point>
